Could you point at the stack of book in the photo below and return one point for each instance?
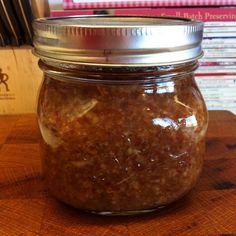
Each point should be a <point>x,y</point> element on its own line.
<point>216,75</point>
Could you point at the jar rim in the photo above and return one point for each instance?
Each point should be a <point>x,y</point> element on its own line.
<point>114,75</point>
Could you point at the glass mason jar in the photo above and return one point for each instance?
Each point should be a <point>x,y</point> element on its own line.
<point>122,120</point>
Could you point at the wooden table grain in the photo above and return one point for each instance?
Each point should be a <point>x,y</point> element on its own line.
<point>26,208</point>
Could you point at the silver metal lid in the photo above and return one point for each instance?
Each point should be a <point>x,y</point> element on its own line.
<point>118,40</point>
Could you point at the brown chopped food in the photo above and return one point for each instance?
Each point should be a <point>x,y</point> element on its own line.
<point>121,147</point>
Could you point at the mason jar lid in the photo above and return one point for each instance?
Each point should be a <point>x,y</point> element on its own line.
<point>118,40</point>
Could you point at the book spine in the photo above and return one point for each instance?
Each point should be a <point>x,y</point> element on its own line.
<point>203,14</point>
<point>202,69</point>
<point>219,34</point>
<point>219,55</point>
<point>82,4</point>
<point>58,13</point>
<point>217,78</point>
<point>217,16</point>
<point>216,63</point>
<point>216,60</point>
<point>215,82</point>
<point>226,29</point>
<point>212,41</point>
<point>228,93</point>
<point>220,24</point>
<point>224,45</point>
<point>207,87</point>
<point>224,50</point>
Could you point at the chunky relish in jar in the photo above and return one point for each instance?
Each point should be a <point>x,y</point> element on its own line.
<point>122,120</point>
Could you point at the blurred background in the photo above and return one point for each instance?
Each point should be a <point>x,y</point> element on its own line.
<point>20,76</point>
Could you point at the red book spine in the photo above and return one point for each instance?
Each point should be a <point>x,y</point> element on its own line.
<point>71,13</point>
<point>202,14</point>
<point>82,4</point>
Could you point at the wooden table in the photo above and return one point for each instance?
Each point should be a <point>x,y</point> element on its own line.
<point>27,209</point>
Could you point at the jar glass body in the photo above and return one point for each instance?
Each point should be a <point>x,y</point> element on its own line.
<point>121,140</point>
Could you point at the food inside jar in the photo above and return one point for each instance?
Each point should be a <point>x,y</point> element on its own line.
<point>121,147</point>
